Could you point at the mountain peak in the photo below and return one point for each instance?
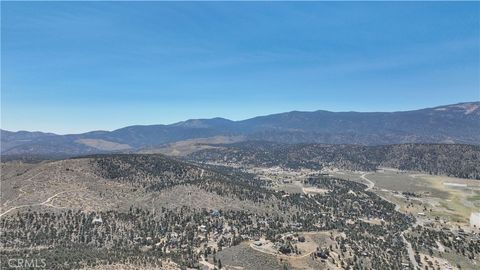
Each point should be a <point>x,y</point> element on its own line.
<point>465,107</point>
<point>203,123</point>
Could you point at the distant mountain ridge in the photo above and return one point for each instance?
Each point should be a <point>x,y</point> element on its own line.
<point>456,123</point>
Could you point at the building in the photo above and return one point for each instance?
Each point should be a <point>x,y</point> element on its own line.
<point>475,219</point>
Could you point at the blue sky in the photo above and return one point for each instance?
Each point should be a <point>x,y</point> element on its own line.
<point>75,67</point>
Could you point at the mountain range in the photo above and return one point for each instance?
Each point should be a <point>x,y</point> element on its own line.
<point>456,123</point>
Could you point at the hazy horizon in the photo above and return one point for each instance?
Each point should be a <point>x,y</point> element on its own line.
<point>236,120</point>
<point>74,67</point>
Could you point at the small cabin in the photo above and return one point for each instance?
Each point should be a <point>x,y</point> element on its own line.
<point>97,220</point>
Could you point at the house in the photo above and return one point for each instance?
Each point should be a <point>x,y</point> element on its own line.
<point>215,213</point>
<point>97,220</point>
<point>321,255</point>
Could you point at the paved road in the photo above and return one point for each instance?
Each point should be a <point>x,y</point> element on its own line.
<point>411,253</point>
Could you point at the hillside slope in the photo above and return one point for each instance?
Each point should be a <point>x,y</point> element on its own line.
<point>146,210</point>
<point>449,159</point>
<point>457,123</point>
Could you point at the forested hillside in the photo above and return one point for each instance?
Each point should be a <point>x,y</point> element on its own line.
<point>457,160</point>
<point>458,123</point>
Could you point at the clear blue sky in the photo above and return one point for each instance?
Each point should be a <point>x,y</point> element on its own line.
<point>75,67</point>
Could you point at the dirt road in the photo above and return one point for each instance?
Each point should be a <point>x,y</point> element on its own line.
<point>44,203</point>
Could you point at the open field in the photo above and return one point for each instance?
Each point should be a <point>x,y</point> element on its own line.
<point>438,196</point>
<point>244,257</point>
<point>450,198</point>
